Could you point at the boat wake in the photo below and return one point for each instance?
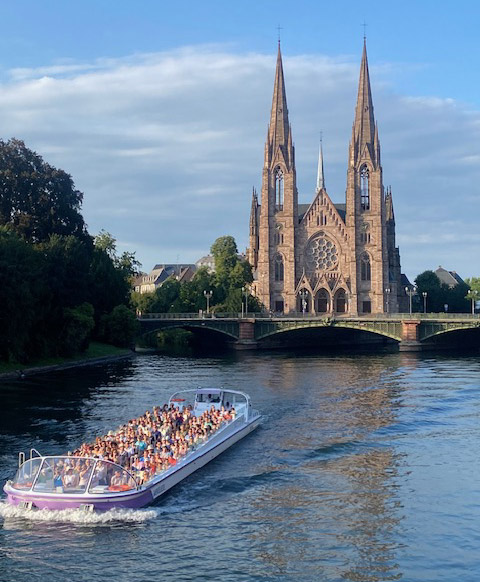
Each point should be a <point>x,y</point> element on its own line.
<point>77,516</point>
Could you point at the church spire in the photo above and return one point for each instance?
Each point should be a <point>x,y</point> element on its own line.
<point>320,173</point>
<point>278,132</point>
<point>364,126</point>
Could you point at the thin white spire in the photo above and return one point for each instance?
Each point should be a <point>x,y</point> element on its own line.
<point>320,174</point>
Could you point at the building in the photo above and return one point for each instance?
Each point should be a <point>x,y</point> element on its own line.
<point>449,278</point>
<point>324,257</point>
<point>160,273</point>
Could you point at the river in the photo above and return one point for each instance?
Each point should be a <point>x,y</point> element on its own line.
<point>365,468</point>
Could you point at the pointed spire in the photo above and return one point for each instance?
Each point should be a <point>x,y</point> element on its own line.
<point>389,214</point>
<point>320,173</point>
<point>364,126</point>
<point>279,127</point>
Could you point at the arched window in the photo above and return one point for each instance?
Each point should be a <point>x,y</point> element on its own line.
<point>365,268</point>
<point>278,189</point>
<point>323,301</point>
<point>340,301</point>
<point>364,189</point>
<point>279,268</point>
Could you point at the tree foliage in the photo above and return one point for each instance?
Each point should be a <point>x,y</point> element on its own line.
<point>55,283</point>
<point>440,295</point>
<point>36,199</point>
<point>473,294</point>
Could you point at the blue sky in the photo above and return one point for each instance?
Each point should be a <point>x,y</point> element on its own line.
<point>159,111</point>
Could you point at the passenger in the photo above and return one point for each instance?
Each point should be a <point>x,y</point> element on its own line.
<point>71,478</point>
<point>117,479</point>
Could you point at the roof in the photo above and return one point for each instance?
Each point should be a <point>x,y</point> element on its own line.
<point>450,278</point>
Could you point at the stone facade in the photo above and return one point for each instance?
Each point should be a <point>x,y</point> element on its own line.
<point>325,257</point>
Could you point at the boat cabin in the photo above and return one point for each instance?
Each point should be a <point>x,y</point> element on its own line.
<point>205,398</point>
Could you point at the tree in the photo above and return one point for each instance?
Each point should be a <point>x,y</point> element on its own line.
<point>36,199</point>
<point>120,326</point>
<point>473,294</point>
<point>78,323</point>
<point>126,262</point>
<point>21,307</point>
<point>439,294</point>
<point>429,282</point>
<point>225,253</point>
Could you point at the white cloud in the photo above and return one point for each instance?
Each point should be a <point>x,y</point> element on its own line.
<point>167,146</point>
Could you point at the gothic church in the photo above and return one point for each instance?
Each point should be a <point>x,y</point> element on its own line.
<point>325,258</point>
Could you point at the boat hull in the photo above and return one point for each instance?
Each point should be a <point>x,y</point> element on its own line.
<point>145,495</point>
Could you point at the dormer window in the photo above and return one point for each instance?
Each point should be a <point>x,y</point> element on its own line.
<point>364,189</point>
<point>278,189</point>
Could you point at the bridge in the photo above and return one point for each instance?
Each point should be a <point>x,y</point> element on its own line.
<point>410,332</point>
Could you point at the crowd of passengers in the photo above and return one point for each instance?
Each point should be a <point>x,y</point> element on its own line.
<point>145,446</point>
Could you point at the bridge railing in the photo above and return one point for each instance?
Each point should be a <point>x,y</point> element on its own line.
<point>331,316</point>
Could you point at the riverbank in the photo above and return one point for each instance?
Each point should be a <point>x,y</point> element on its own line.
<point>97,353</point>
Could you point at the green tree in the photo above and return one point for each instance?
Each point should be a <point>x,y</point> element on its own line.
<point>21,270</point>
<point>108,285</point>
<point>120,326</point>
<point>36,199</point>
<point>429,282</point>
<point>225,253</point>
<point>439,294</point>
<point>78,323</point>
<point>166,297</point>
<point>473,294</point>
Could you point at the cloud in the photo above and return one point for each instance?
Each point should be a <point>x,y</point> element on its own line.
<point>167,146</point>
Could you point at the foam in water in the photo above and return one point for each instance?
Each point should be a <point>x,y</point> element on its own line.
<point>77,516</point>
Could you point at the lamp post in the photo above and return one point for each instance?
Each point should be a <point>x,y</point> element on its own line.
<point>388,291</point>
<point>208,295</point>
<point>424,295</point>
<point>410,293</point>
<point>245,289</point>
<point>303,295</point>
<point>474,300</point>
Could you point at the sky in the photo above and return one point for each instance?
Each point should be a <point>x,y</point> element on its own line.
<point>159,111</point>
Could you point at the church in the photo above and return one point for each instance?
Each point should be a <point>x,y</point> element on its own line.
<point>323,257</point>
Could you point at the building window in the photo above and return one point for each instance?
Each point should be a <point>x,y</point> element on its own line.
<point>365,268</point>
<point>279,268</point>
<point>279,235</point>
<point>364,189</point>
<point>365,234</point>
<point>323,301</point>
<point>340,301</point>
<point>278,189</point>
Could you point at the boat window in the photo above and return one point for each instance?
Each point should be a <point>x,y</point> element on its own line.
<point>26,474</point>
<point>64,475</point>
<point>108,477</point>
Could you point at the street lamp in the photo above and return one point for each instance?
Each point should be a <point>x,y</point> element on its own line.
<point>208,295</point>
<point>245,290</point>
<point>410,292</point>
<point>388,291</point>
<point>424,295</point>
<point>303,295</point>
<point>474,300</point>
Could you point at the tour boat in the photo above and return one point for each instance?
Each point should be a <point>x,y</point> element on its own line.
<point>105,485</point>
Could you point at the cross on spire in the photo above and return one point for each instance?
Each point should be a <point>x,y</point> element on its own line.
<point>279,28</point>
<point>364,30</point>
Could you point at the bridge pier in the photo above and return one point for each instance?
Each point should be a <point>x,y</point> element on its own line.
<point>246,335</point>
<point>410,336</point>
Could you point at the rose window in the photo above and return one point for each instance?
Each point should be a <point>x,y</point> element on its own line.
<point>321,254</point>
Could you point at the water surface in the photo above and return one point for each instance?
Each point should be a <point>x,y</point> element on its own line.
<point>365,469</point>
